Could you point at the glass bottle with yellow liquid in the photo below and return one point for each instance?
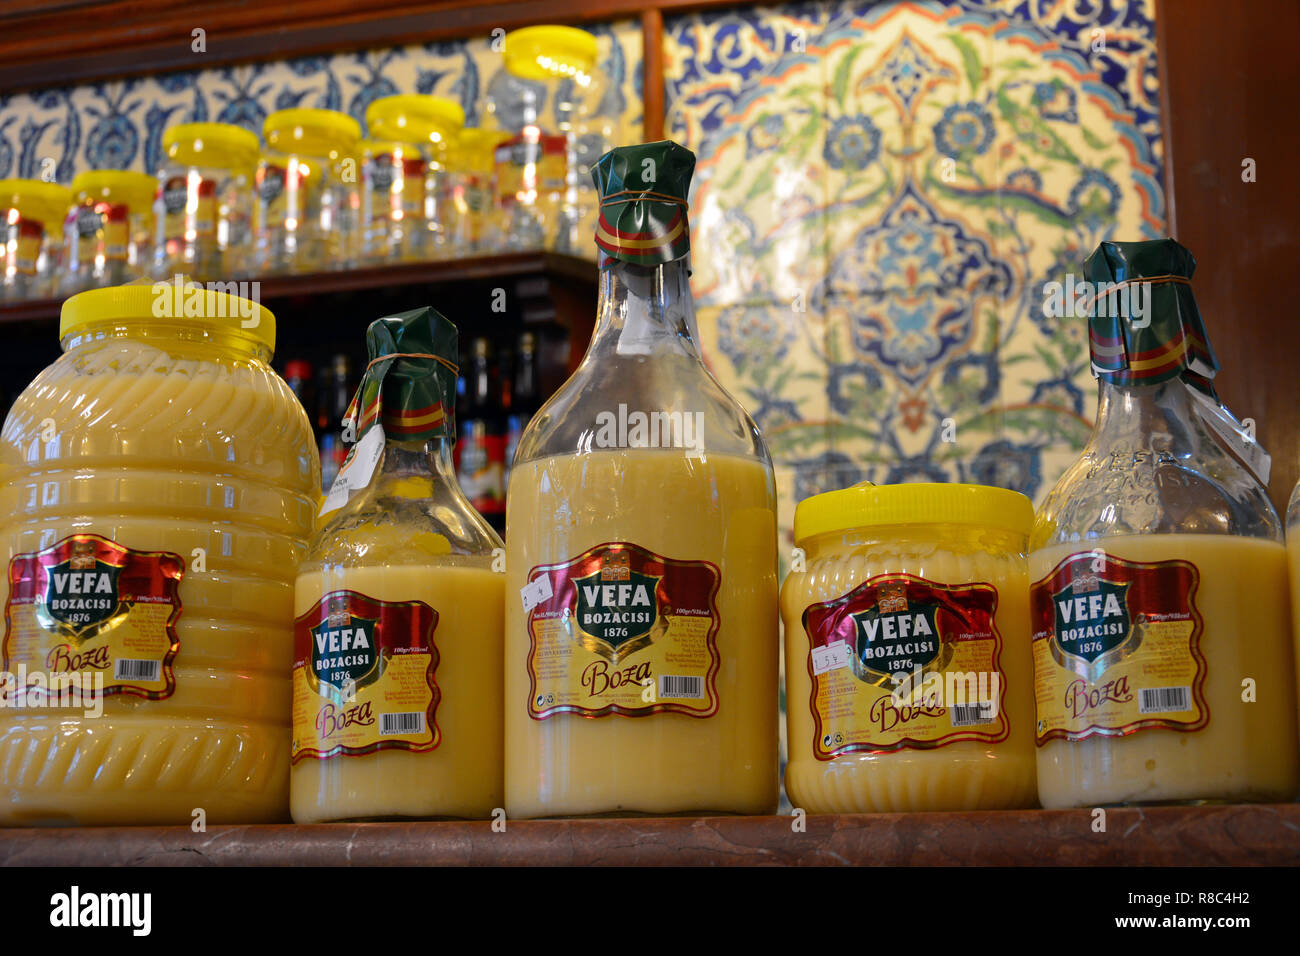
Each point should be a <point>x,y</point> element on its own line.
<point>397,642</point>
<point>641,594</point>
<point>1160,618</point>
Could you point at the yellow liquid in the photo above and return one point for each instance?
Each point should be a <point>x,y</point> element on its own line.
<point>719,510</point>
<point>162,453</point>
<point>965,775</point>
<point>461,777</point>
<point>1249,750</point>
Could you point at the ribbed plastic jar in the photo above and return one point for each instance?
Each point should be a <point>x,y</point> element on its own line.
<point>909,684</point>
<point>157,489</point>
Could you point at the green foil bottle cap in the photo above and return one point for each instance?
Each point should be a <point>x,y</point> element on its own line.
<point>410,383</point>
<point>1144,326</point>
<point>643,204</point>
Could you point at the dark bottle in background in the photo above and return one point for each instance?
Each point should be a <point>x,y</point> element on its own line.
<point>525,396</point>
<point>336,387</point>
<point>301,379</point>
<point>482,441</point>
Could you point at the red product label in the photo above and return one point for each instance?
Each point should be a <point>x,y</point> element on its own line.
<point>88,605</point>
<point>1117,647</point>
<point>363,677</point>
<point>901,662</point>
<point>622,630</point>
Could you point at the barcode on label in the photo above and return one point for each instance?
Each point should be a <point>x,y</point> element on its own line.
<point>964,715</point>
<point>124,668</point>
<point>412,723</point>
<point>692,687</point>
<point>1161,700</point>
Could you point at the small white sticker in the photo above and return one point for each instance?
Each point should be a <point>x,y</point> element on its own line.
<point>831,657</point>
<point>357,470</point>
<point>1226,426</point>
<point>536,592</point>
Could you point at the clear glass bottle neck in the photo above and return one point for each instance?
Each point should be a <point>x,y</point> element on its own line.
<point>1158,417</point>
<point>407,459</point>
<point>646,310</point>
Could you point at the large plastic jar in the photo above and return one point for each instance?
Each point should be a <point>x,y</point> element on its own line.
<point>158,484</point>
<point>909,678</point>
<point>550,84</point>
<point>404,174</point>
<point>308,199</point>
<point>205,201</point>
<point>109,229</point>
<point>31,237</point>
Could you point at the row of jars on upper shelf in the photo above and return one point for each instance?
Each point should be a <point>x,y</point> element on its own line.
<point>314,195</point>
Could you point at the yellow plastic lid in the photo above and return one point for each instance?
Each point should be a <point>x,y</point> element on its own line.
<point>36,199</point>
<point>550,52</point>
<point>866,505</point>
<point>221,145</point>
<point>475,148</point>
<point>165,303</point>
<point>121,185</point>
<point>415,118</point>
<point>311,132</point>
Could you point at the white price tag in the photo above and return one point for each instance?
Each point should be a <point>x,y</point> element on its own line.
<point>536,592</point>
<point>1251,452</point>
<point>831,657</point>
<point>357,470</point>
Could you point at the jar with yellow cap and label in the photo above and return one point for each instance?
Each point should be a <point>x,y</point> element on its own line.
<point>550,85</point>
<point>31,237</point>
<point>470,192</point>
<point>109,229</point>
<point>158,484</point>
<point>308,202</point>
<point>403,172</point>
<point>205,200</point>
<point>909,681</point>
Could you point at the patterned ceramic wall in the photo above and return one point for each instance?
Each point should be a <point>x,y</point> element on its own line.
<point>883,189</point>
<point>120,125</point>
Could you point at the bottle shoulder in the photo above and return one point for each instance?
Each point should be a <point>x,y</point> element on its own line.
<point>404,520</point>
<point>1194,487</point>
<point>653,401</point>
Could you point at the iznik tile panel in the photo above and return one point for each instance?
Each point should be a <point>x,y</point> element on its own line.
<point>883,190</point>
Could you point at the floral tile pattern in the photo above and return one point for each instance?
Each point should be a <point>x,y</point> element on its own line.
<point>120,125</point>
<point>883,190</point>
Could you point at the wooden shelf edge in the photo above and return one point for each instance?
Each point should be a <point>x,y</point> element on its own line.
<point>1160,836</point>
<point>440,272</point>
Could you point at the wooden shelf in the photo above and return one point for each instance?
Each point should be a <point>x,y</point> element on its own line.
<point>569,269</point>
<point>1161,836</point>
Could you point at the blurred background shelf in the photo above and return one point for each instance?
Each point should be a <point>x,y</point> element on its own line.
<point>496,296</point>
<point>1160,836</point>
<point>563,269</point>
